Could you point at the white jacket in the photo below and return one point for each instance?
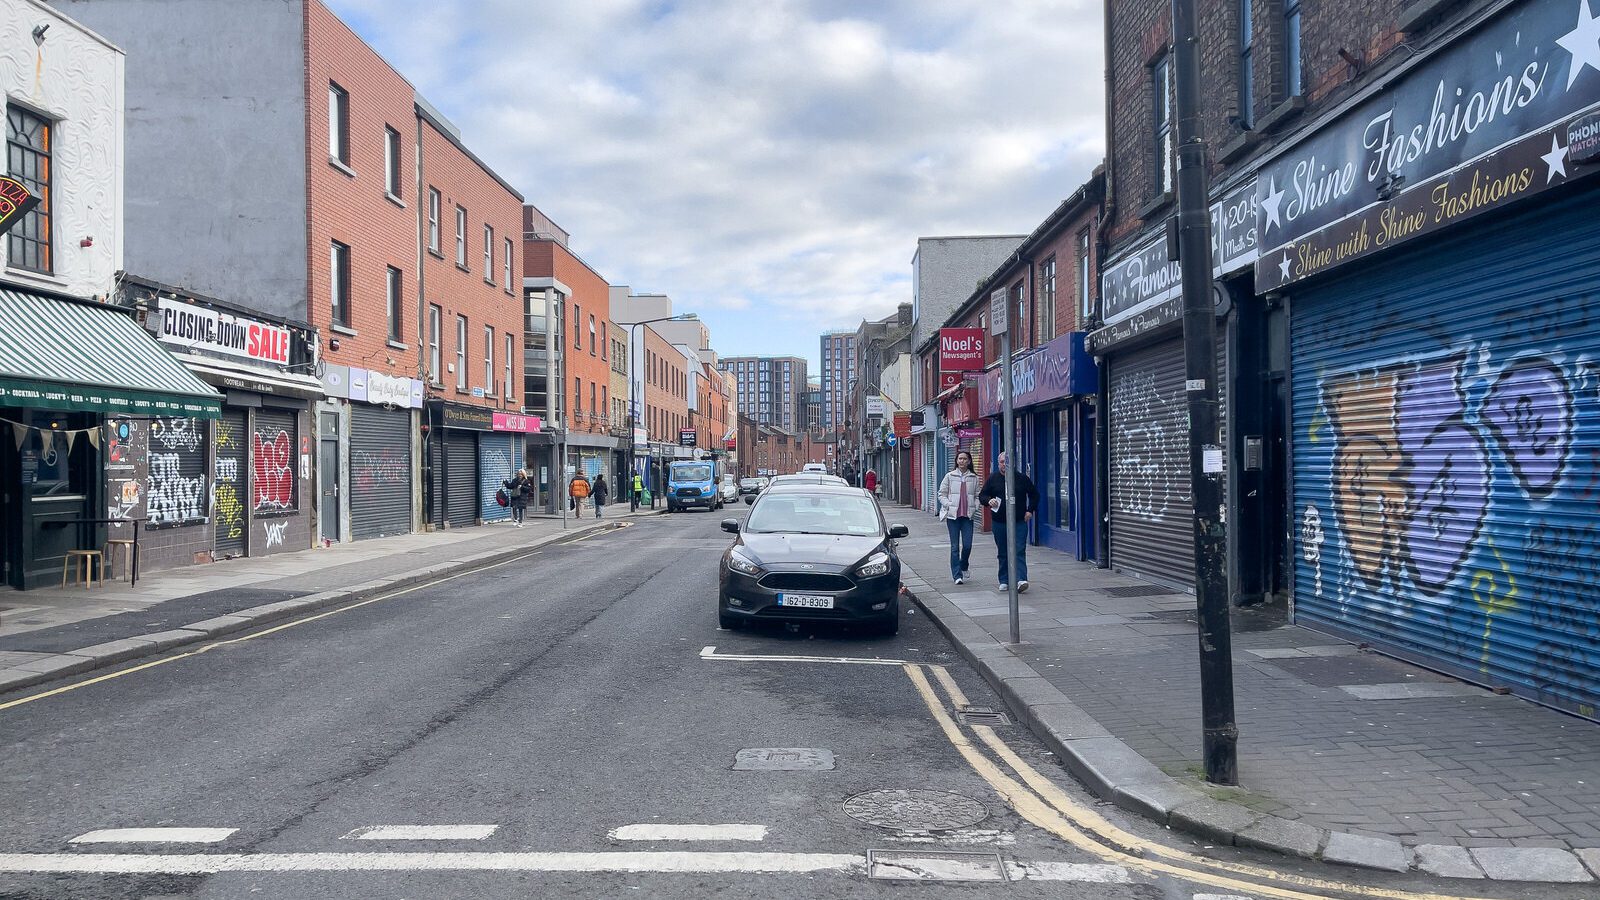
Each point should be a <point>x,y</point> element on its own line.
<point>950,493</point>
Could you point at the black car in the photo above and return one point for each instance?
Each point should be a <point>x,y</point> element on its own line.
<point>818,553</point>
<point>750,486</point>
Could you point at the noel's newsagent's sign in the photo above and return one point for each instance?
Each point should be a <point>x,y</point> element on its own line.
<point>1480,125</point>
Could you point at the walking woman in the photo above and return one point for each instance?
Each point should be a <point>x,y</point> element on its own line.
<point>600,494</point>
<point>517,490</point>
<point>958,498</point>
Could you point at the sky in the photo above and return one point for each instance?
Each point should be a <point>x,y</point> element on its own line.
<point>769,164</point>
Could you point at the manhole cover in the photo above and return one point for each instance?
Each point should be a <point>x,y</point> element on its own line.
<point>915,810</point>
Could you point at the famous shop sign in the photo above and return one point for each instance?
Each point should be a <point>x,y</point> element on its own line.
<point>1487,121</point>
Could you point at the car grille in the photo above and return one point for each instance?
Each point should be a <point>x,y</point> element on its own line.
<point>688,492</point>
<point>806,581</point>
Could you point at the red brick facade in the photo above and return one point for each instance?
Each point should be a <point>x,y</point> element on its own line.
<point>587,352</point>
<point>665,386</point>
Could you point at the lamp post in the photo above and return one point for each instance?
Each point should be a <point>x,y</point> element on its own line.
<point>633,405</point>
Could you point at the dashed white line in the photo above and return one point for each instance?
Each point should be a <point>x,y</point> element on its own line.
<point>154,836</point>
<point>711,653</point>
<point>664,832</point>
<point>422,833</point>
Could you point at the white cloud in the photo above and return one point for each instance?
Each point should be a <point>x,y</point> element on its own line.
<point>772,162</point>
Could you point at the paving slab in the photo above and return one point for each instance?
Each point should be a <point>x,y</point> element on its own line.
<point>1283,836</point>
<point>1530,864</point>
<point>1213,819</point>
<point>1447,861</point>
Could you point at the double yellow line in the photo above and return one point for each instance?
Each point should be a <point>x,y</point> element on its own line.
<point>1040,801</point>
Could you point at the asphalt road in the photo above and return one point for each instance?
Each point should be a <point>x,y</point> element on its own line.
<point>558,722</point>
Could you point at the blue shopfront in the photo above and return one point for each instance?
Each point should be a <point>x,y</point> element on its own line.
<point>1054,390</point>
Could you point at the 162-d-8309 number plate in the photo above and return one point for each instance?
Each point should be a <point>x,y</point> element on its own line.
<point>811,601</point>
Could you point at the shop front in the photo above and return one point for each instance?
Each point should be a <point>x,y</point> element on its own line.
<point>471,452</point>
<point>368,453</point>
<point>1446,428</point>
<point>1055,407</point>
<point>259,465</point>
<point>963,429</point>
<point>71,374</point>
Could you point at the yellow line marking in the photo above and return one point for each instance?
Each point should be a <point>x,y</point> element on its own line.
<point>250,637</point>
<point>1048,817</point>
<point>956,696</point>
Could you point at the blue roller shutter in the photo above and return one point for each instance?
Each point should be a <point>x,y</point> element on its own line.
<point>1447,453</point>
<point>496,464</point>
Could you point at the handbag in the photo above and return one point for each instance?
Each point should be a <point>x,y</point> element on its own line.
<point>502,498</point>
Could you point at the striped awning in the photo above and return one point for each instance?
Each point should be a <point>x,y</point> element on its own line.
<point>61,354</point>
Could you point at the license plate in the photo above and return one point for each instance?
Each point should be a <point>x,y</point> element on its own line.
<point>811,601</point>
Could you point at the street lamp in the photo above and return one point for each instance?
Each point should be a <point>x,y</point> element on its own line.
<point>633,405</point>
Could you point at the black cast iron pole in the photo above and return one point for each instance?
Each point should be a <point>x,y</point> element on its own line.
<point>1221,734</point>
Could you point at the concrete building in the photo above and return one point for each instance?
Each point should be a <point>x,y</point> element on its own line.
<point>771,388</point>
<point>838,372</point>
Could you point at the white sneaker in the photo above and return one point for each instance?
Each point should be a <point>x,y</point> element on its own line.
<point>960,580</point>
<point>1022,587</point>
<point>1002,588</point>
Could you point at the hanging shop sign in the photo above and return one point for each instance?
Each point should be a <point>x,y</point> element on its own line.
<point>202,328</point>
<point>1583,139</point>
<point>1145,276</point>
<point>877,406</point>
<point>960,350</point>
<point>948,380</point>
<point>902,424</point>
<point>688,437</point>
<point>1060,368</point>
<point>1449,139</point>
<point>16,201</point>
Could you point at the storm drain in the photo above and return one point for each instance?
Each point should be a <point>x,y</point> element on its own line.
<point>982,715</point>
<point>1137,590</point>
<point>915,810</point>
<point>934,865</point>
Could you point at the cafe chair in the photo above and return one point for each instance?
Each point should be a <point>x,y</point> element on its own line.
<point>85,562</point>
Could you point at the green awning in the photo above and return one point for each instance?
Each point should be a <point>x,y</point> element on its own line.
<point>58,354</point>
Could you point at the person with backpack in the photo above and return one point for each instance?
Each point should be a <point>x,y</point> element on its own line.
<point>600,494</point>
<point>578,490</point>
<point>518,489</point>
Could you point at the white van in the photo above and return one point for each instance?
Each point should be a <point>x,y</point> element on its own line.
<point>818,468</point>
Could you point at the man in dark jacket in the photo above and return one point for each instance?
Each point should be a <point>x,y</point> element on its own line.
<point>1026,496</point>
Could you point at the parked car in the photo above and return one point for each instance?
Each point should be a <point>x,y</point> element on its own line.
<point>752,485</point>
<point>818,553</point>
<point>819,468</point>
<point>729,489</point>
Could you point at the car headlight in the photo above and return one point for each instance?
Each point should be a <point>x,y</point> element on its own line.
<point>742,564</point>
<point>876,564</point>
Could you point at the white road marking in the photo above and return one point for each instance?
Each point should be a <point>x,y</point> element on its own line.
<point>421,833</point>
<point>910,865</point>
<point>662,832</point>
<point>1095,873</point>
<point>711,653</point>
<point>154,835</point>
<point>961,836</point>
<point>1222,897</point>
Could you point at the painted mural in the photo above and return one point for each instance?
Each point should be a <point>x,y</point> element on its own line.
<point>1446,496</point>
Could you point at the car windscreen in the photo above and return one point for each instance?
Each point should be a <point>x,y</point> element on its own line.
<point>749,482</point>
<point>806,513</point>
<point>691,473</point>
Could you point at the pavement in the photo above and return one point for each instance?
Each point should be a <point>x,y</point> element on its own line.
<point>51,633</point>
<point>1345,755</point>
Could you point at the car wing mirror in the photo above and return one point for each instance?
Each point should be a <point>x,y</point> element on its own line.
<point>899,531</point>
<point>730,525</point>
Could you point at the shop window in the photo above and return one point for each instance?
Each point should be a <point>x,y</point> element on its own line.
<point>1161,132</point>
<point>1247,65</point>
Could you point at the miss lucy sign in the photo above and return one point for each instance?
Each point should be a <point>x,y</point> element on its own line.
<point>189,325</point>
<point>1530,69</point>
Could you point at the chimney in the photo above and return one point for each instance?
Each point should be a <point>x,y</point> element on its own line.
<point>904,318</point>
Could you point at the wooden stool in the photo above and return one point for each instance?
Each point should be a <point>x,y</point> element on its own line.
<point>86,560</point>
<point>124,548</point>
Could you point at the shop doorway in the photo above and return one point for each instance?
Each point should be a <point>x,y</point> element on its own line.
<point>328,476</point>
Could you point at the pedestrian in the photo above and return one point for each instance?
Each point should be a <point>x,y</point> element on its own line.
<point>518,488</point>
<point>578,490</point>
<point>600,493</point>
<point>1026,498</point>
<point>638,490</point>
<point>871,481</point>
<point>958,498</point>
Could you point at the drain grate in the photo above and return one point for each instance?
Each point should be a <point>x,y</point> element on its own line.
<point>982,715</point>
<point>934,865</point>
<point>1136,590</point>
<point>915,810</point>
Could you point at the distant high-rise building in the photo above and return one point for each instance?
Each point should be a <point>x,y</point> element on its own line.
<point>771,389</point>
<point>838,370</point>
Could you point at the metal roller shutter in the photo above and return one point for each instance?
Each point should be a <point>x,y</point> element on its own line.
<point>177,492</point>
<point>461,478</point>
<point>1447,454</point>
<point>380,471</point>
<point>232,481</point>
<point>435,510</point>
<point>1152,531</point>
<point>496,464</point>
<point>273,485</point>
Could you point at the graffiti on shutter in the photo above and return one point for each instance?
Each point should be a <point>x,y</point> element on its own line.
<point>177,491</point>
<point>272,449</point>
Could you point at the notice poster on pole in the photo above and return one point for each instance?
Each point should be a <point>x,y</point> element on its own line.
<point>997,312</point>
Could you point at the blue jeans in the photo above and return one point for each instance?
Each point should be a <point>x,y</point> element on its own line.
<point>1022,550</point>
<point>960,544</point>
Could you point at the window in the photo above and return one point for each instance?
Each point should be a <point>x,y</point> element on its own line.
<point>395,297</point>
<point>594,409</point>
<point>1161,86</point>
<point>488,253</point>
<point>605,339</point>
<point>433,219</point>
<point>339,283</point>
<point>1293,84</point>
<point>1085,295</point>
<point>461,237</point>
<point>488,360</point>
<point>592,347</point>
<point>461,353</point>
<point>505,264</point>
<point>1047,300</point>
<point>338,124</point>
<point>510,345</point>
<point>1247,65</point>
<point>577,327</point>
<point>435,326</point>
<point>28,159</point>
<point>391,161</point>
<point>577,396</point>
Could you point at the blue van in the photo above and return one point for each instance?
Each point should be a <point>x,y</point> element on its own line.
<point>693,482</point>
